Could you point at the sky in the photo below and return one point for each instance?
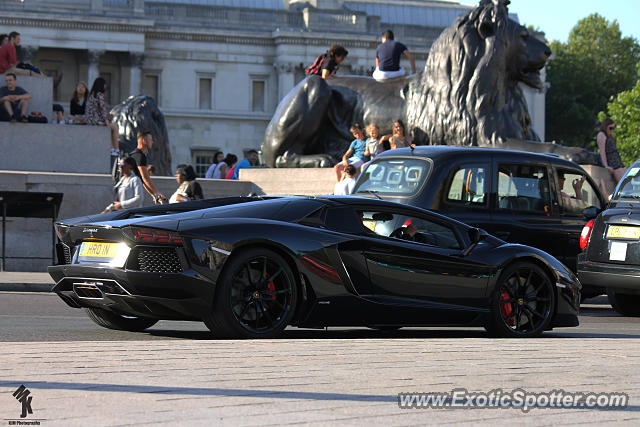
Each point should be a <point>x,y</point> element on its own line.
<point>557,17</point>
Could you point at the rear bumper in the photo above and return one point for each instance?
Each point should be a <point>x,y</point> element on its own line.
<point>614,276</point>
<point>175,296</point>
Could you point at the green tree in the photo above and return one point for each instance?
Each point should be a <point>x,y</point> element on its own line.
<point>624,109</point>
<point>595,64</point>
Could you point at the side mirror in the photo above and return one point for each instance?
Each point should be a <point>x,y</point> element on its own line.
<point>476,235</point>
<point>591,212</point>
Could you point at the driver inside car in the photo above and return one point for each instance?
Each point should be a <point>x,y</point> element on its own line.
<point>410,232</point>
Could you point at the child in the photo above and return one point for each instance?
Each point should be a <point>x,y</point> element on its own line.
<point>355,154</point>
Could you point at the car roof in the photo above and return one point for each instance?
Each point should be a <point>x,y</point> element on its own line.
<point>437,152</point>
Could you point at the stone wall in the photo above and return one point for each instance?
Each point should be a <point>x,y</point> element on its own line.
<point>28,240</point>
<point>42,90</point>
<point>291,181</point>
<point>49,147</point>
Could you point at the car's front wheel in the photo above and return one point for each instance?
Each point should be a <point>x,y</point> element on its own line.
<point>625,304</point>
<point>110,320</point>
<point>256,296</point>
<point>522,303</point>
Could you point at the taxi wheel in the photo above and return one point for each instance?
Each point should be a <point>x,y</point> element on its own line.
<point>110,320</point>
<point>625,304</point>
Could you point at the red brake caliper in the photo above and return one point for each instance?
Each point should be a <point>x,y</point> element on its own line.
<point>505,307</point>
<point>271,287</point>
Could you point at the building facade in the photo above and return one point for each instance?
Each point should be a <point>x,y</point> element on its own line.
<point>217,68</point>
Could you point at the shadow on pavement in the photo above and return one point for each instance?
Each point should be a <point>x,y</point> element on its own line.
<point>235,392</point>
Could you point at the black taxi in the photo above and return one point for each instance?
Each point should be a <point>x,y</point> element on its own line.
<point>535,199</point>
<point>611,246</point>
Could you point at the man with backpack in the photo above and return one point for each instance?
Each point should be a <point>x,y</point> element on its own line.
<point>328,63</point>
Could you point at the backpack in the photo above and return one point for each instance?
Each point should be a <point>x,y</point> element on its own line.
<point>230,172</point>
<point>316,67</point>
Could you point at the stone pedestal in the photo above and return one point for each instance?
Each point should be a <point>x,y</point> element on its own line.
<point>42,90</point>
<point>52,147</point>
<point>291,181</point>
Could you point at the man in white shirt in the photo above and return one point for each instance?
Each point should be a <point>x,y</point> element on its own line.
<point>345,186</point>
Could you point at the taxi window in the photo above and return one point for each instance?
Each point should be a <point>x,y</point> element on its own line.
<point>576,191</point>
<point>469,185</point>
<point>399,177</point>
<point>630,185</point>
<point>524,188</point>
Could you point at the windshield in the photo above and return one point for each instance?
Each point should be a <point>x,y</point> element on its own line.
<point>629,188</point>
<point>398,177</point>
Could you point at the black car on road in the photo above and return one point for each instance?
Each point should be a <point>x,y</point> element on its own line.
<point>250,267</point>
<point>534,199</point>
<point>611,246</point>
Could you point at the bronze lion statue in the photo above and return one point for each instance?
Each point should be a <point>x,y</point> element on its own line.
<point>467,95</point>
<point>142,113</point>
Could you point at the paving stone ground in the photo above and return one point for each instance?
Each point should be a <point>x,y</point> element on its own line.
<point>310,381</point>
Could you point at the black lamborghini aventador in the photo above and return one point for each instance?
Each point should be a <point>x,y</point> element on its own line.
<point>250,267</point>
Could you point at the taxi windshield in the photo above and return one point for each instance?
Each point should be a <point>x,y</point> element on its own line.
<point>629,188</point>
<point>397,177</point>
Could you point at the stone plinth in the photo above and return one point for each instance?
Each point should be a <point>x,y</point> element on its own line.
<point>292,181</point>
<point>42,90</point>
<point>48,147</point>
<point>28,240</point>
<point>602,178</point>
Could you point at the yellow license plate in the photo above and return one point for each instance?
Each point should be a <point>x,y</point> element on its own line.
<point>98,250</point>
<point>623,232</point>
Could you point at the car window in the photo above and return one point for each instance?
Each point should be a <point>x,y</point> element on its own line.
<point>523,188</point>
<point>402,177</point>
<point>576,191</point>
<point>411,228</point>
<point>630,185</point>
<point>469,185</point>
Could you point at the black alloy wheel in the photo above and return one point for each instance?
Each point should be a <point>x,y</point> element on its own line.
<point>110,320</point>
<point>255,298</point>
<point>523,302</point>
<point>625,304</point>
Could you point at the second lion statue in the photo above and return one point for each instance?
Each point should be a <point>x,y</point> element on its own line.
<point>467,95</point>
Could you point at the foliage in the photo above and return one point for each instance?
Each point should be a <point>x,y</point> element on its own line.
<point>595,64</point>
<point>624,109</point>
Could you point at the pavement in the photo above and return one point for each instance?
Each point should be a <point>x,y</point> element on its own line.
<point>311,381</point>
<point>306,377</point>
<point>21,281</point>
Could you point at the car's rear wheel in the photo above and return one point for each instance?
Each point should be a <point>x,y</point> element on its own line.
<point>255,297</point>
<point>522,303</point>
<point>110,320</point>
<point>625,304</point>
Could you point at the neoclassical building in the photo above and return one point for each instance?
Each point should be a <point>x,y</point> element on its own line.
<point>217,68</point>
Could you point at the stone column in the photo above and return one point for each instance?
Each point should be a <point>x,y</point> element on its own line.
<point>136,59</point>
<point>286,78</point>
<point>93,57</point>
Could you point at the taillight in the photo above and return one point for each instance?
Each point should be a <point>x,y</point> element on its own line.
<point>586,234</point>
<point>60,230</point>
<point>151,235</point>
